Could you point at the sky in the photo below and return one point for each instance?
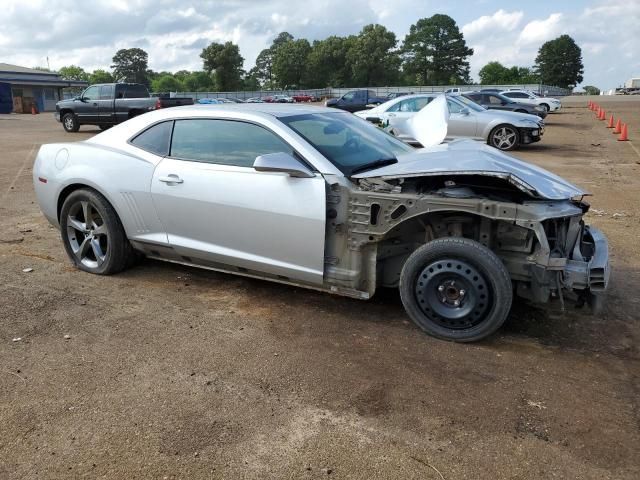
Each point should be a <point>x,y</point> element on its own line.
<point>173,32</point>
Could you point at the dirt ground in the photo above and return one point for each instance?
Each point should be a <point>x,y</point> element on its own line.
<point>172,372</point>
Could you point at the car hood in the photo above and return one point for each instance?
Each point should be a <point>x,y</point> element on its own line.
<point>466,157</point>
<point>513,117</point>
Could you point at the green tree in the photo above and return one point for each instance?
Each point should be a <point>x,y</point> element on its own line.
<point>73,72</point>
<point>591,90</point>
<point>224,61</point>
<point>198,82</point>
<point>493,73</point>
<point>263,70</point>
<point>373,58</point>
<point>327,64</point>
<point>167,83</point>
<point>559,62</point>
<point>435,51</point>
<point>130,65</point>
<point>100,76</point>
<point>290,63</point>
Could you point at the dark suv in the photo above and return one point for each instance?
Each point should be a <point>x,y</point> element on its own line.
<point>496,101</point>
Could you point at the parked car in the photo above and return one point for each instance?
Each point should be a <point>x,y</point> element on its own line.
<point>254,100</point>
<point>453,90</point>
<point>496,101</point>
<point>108,104</point>
<point>457,228</point>
<point>356,100</point>
<point>303,98</point>
<point>530,98</point>
<point>502,130</point>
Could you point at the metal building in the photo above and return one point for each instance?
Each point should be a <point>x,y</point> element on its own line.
<point>30,86</point>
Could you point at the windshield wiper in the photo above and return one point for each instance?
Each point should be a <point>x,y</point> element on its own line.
<point>377,164</point>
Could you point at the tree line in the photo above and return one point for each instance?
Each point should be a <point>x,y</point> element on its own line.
<point>434,52</point>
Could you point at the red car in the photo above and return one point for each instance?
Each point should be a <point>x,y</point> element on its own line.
<point>302,98</point>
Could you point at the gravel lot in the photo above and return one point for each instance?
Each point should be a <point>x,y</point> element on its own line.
<point>173,372</point>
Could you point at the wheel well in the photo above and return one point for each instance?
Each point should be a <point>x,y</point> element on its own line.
<point>401,241</point>
<point>544,105</point>
<point>135,113</point>
<point>69,189</point>
<point>64,111</point>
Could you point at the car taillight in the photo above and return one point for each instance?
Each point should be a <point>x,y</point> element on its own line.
<point>158,104</point>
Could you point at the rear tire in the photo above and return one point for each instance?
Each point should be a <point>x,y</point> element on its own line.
<point>70,122</point>
<point>456,289</point>
<point>93,235</point>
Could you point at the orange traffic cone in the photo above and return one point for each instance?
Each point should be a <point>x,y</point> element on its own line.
<point>624,136</point>
<point>33,109</point>
<point>610,125</point>
<point>618,128</point>
<point>597,111</point>
<point>603,115</point>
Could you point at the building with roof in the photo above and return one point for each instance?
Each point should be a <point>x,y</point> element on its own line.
<point>23,87</point>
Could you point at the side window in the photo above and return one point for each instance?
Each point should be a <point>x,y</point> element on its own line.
<point>92,93</point>
<point>517,95</point>
<point>155,139</point>
<point>422,102</point>
<point>348,96</point>
<point>106,92</point>
<point>453,106</point>
<point>493,100</point>
<point>395,107</point>
<point>224,142</point>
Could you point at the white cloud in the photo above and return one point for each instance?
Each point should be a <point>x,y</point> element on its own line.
<point>539,31</point>
<point>491,24</point>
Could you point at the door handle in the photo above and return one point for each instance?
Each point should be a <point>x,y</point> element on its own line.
<point>392,114</point>
<point>171,179</point>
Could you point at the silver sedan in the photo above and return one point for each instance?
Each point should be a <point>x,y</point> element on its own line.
<point>467,119</point>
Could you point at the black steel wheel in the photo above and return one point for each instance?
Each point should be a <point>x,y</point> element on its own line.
<point>456,289</point>
<point>93,235</point>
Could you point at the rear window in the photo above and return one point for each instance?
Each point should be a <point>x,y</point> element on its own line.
<point>155,139</point>
<point>135,91</point>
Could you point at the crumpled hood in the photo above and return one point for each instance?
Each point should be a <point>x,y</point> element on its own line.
<point>468,157</point>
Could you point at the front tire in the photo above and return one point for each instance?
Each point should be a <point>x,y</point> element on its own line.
<point>456,289</point>
<point>546,107</point>
<point>70,122</point>
<point>504,137</point>
<point>93,235</point>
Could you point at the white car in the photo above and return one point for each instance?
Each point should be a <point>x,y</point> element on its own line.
<point>502,130</point>
<point>530,98</point>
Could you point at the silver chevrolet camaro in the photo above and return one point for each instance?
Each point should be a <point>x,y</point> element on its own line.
<point>322,199</point>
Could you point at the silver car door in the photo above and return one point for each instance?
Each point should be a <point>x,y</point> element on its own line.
<point>462,121</point>
<point>219,211</point>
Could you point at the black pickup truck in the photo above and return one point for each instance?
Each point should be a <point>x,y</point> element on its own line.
<point>108,104</point>
<point>356,100</point>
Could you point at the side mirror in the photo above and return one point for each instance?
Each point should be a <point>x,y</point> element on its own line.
<point>465,111</point>
<point>282,162</point>
<point>83,99</point>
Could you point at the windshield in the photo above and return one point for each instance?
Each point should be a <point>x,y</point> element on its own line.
<point>469,103</point>
<point>349,142</point>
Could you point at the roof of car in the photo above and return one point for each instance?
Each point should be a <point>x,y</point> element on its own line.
<point>273,109</point>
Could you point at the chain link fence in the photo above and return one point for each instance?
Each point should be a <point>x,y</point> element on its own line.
<point>323,93</point>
